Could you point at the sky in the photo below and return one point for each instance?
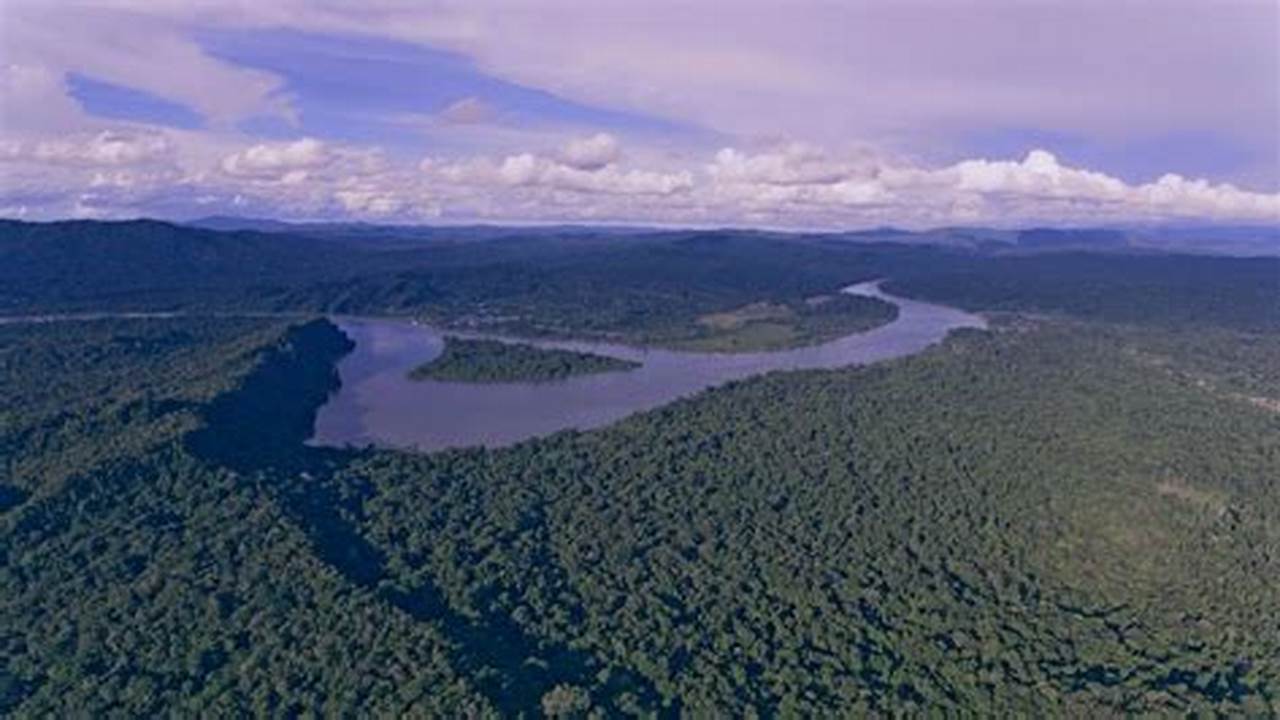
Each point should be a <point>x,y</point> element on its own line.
<point>796,114</point>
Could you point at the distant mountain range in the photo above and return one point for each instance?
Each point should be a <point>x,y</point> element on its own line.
<point>1241,240</point>
<point>579,275</point>
<point>407,234</point>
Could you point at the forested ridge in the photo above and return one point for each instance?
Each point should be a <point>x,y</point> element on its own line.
<point>1074,513</point>
<point>642,287</point>
<point>637,286</point>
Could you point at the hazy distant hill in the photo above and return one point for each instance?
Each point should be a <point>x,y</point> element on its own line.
<point>1078,239</point>
<point>227,223</point>
<point>1240,240</point>
<point>407,235</point>
<point>1219,239</point>
<point>1198,238</point>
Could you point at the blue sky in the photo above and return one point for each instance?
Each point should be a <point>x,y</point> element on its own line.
<point>108,100</point>
<point>807,114</point>
<point>365,89</point>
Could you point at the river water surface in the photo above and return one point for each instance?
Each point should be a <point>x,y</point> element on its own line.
<point>379,405</point>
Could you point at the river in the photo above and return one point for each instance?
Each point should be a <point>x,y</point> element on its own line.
<point>378,405</point>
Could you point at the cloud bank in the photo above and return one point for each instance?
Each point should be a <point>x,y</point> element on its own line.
<point>127,172</point>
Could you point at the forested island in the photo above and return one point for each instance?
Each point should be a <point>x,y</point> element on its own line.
<point>493,361</point>
<point>1073,513</point>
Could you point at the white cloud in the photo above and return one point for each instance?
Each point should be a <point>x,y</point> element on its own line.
<point>368,201</point>
<point>310,179</point>
<point>1041,189</point>
<point>1039,174</point>
<point>107,171</point>
<point>286,162</point>
<point>589,171</point>
<point>33,99</point>
<point>914,75</point>
<point>1176,195</point>
<point>791,164</point>
<point>131,170</point>
<point>591,153</point>
<point>104,148</point>
<point>902,75</point>
<point>138,46</point>
<point>801,185</point>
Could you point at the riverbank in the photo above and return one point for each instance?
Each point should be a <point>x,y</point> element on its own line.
<point>378,405</point>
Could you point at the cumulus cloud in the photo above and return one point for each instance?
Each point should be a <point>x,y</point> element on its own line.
<point>103,171</point>
<point>104,148</point>
<point>583,166</point>
<point>314,180</point>
<point>368,201</point>
<point>1175,195</point>
<point>1040,187</point>
<point>285,162</point>
<point>591,153</point>
<point>791,164</point>
<point>1038,175</point>
<point>97,175</point>
<point>531,170</point>
<point>806,186</point>
<point>800,185</point>
<point>131,171</point>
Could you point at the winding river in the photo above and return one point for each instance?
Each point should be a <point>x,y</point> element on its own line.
<point>378,405</point>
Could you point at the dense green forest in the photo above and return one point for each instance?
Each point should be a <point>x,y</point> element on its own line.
<point>1027,521</point>
<point>140,578</point>
<point>1074,513</point>
<point>481,360</point>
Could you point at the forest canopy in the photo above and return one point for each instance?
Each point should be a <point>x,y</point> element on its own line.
<point>1073,513</point>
